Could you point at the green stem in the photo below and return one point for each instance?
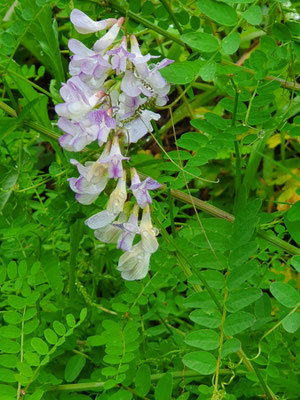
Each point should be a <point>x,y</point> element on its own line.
<point>75,237</point>
<point>236,144</point>
<point>146,23</point>
<point>39,88</point>
<point>80,387</point>
<point>174,19</point>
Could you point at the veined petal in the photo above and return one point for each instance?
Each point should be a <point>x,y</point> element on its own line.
<point>85,198</point>
<point>108,234</point>
<point>129,85</point>
<point>84,24</point>
<point>139,271</point>
<point>100,219</point>
<point>109,37</point>
<point>150,243</point>
<point>79,48</point>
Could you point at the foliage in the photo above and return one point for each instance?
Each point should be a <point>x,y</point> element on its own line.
<point>218,315</point>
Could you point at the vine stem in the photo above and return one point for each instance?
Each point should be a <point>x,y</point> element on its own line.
<point>80,387</point>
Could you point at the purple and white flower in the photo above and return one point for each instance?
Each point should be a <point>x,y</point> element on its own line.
<point>84,24</point>
<point>105,123</point>
<point>114,160</point>
<point>140,189</point>
<point>114,207</point>
<point>92,179</point>
<point>79,99</point>
<point>128,230</point>
<point>141,125</point>
<point>120,56</point>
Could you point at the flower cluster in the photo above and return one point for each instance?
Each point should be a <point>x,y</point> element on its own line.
<point>108,99</point>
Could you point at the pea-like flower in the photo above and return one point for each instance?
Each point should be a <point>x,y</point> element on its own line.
<point>140,189</point>
<point>114,207</point>
<point>114,160</point>
<point>148,232</point>
<point>84,24</point>
<point>129,230</point>
<point>92,180</point>
<point>134,264</point>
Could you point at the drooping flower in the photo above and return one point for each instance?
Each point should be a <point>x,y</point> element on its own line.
<point>76,136</point>
<point>84,24</point>
<point>111,232</point>
<point>120,56</point>
<point>140,189</point>
<point>114,160</point>
<point>114,207</point>
<point>141,125</point>
<point>105,41</point>
<point>128,230</point>
<point>134,264</point>
<point>79,99</point>
<point>89,65</point>
<point>92,179</point>
<point>105,123</point>
<point>148,232</point>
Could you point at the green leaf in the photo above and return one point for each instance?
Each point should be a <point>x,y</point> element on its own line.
<point>50,336</point>
<point>205,339</point>
<point>231,43</point>
<point>201,361</point>
<point>12,270</point>
<point>143,380</point>
<point>240,274</point>
<point>230,346</point>
<point>7,375</point>
<point>163,390</point>
<point>253,15</point>
<point>50,265</point>
<point>291,323</point>
<point>10,331</point>
<point>96,340</point>
<point>207,318</point>
<point>121,394</point>
<point>70,320</point>
<point>281,32</point>
<point>16,302</point>
<point>39,345</point>
<point>295,262</point>
<point>208,71</point>
<point>59,328</point>
<point>242,298</point>
<point>7,185</point>
<point>12,317</point>
<point>41,39</point>
<point>179,73</point>
<point>285,294</point>
<point>219,12</point>
<point>201,41</point>
<point>238,322</point>
<point>74,366</point>
<point>294,212</point>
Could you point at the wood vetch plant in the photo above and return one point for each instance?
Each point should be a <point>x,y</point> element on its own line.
<point>108,99</point>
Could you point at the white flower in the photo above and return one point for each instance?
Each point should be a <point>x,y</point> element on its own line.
<point>134,264</point>
<point>148,232</point>
<point>84,24</point>
<point>114,207</point>
<point>92,180</point>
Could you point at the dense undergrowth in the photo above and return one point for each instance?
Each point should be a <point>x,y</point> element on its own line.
<point>217,316</point>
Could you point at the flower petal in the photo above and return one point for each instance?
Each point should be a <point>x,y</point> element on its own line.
<point>100,219</point>
<point>84,24</point>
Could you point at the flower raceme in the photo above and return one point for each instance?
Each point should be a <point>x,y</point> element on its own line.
<point>108,100</point>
